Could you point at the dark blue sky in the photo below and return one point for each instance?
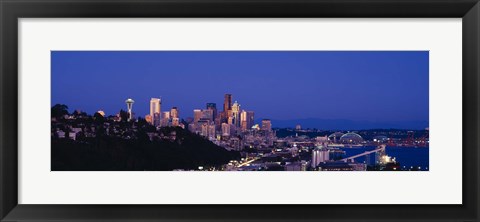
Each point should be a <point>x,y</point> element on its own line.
<point>359,86</point>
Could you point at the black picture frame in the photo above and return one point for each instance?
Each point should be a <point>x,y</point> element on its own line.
<point>12,10</point>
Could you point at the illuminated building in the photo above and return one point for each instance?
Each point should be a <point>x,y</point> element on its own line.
<point>204,131</point>
<point>243,126</point>
<point>266,125</point>
<point>175,121</point>
<point>148,118</point>
<point>129,103</point>
<point>225,129</point>
<point>155,104</point>
<point>247,119</point>
<point>236,114</point>
<point>227,103</point>
<point>156,119</point>
<point>165,118</point>
<point>211,131</point>
<point>227,108</point>
<point>197,115</point>
<point>174,112</point>
<point>166,115</point>
<point>207,130</point>
<point>207,114</point>
<point>319,156</point>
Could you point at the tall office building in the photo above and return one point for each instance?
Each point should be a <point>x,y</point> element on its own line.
<point>197,115</point>
<point>246,119</point>
<point>129,103</point>
<point>174,112</point>
<point>227,108</point>
<point>227,102</point>
<point>155,110</point>
<point>207,114</point>
<point>165,119</point>
<point>266,125</point>
<point>236,114</point>
<point>213,107</point>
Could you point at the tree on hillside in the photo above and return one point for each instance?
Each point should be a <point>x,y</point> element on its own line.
<point>59,110</point>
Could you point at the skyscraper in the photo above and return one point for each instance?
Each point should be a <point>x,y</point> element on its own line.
<point>227,108</point>
<point>250,119</point>
<point>246,119</point>
<point>227,103</point>
<point>129,103</point>
<point>207,114</point>
<point>236,114</point>
<point>165,118</point>
<point>197,115</point>
<point>155,110</point>
<point>213,107</point>
<point>174,112</point>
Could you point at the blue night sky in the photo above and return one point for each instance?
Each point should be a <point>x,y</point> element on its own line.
<point>377,86</point>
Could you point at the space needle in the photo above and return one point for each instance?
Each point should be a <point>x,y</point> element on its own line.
<point>129,103</point>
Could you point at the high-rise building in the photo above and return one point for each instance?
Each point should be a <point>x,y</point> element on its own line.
<point>129,103</point>
<point>227,108</point>
<point>207,114</point>
<point>236,114</point>
<point>166,115</point>
<point>247,119</point>
<point>213,107</point>
<point>218,122</point>
<point>197,115</point>
<point>156,119</point>
<point>174,112</point>
<point>227,102</point>
<point>155,111</point>
<point>165,119</point>
<point>266,125</point>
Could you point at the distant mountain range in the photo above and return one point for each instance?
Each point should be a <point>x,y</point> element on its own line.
<point>343,124</point>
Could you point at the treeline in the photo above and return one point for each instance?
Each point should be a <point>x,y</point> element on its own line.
<point>107,153</point>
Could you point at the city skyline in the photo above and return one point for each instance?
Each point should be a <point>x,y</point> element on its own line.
<point>97,97</point>
<point>240,111</point>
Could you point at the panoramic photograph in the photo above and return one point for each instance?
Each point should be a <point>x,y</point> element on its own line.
<point>240,111</point>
